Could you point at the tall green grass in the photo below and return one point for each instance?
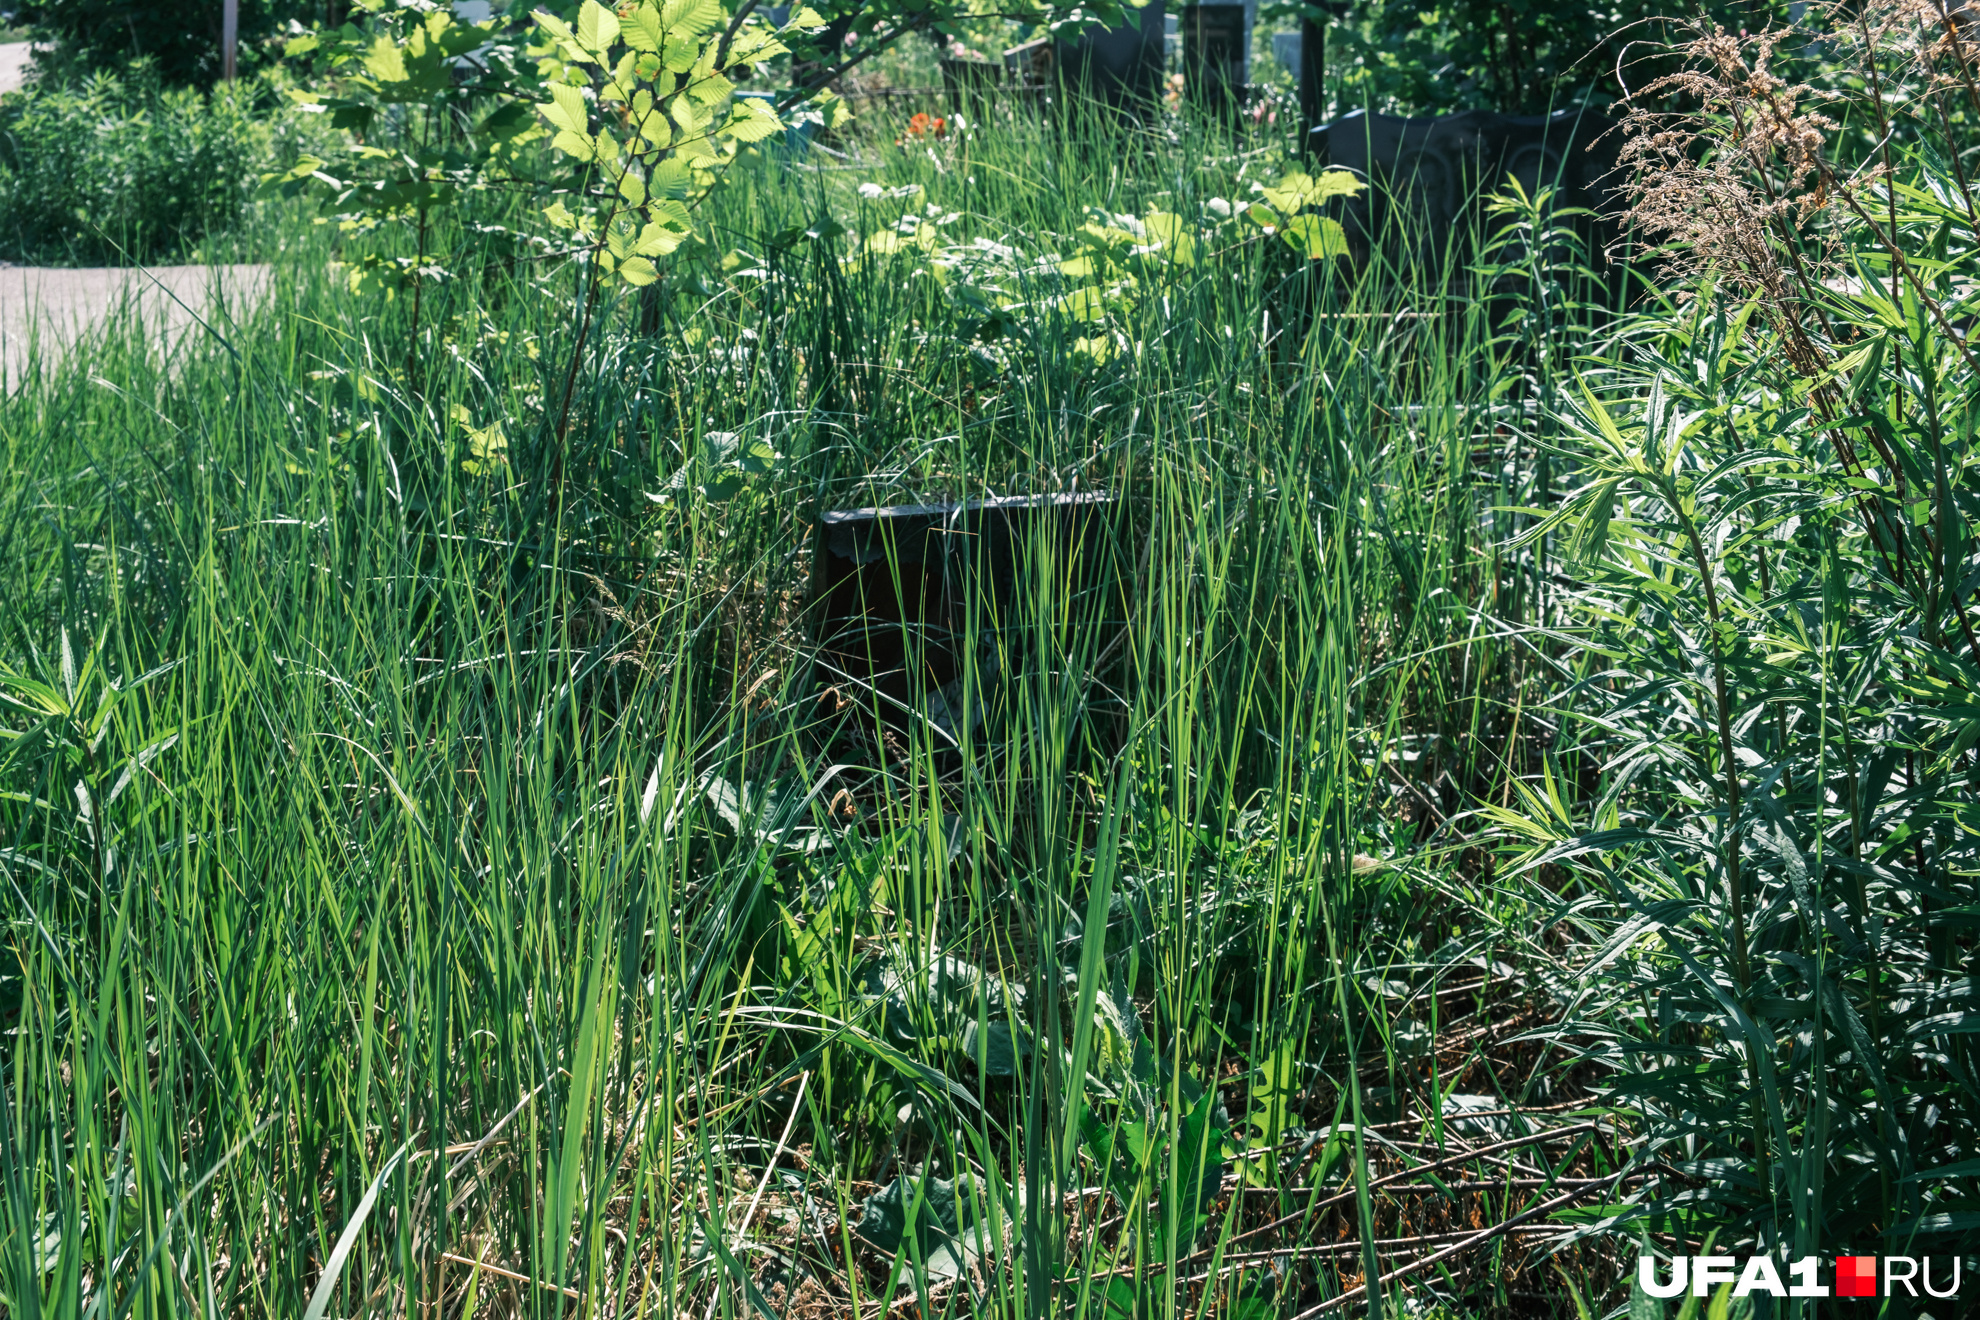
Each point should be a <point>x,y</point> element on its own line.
<point>436,885</point>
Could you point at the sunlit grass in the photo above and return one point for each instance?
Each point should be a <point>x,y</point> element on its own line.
<point>435,888</point>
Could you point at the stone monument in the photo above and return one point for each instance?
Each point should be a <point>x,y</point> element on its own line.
<point>1429,176</point>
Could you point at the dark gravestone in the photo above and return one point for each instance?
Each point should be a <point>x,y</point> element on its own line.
<point>1120,67</point>
<point>1216,41</point>
<point>1429,176</point>
<point>906,599</point>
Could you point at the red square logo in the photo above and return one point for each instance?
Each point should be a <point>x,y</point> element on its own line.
<point>1856,1276</point>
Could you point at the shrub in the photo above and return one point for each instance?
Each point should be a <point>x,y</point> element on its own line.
<point>120,168</point>
<point>181,40</point>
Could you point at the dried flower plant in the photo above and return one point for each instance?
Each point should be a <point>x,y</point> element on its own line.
<point>1742,180</point>
<point>1817,201</point>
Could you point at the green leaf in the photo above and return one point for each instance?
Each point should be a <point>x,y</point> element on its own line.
<point>669,179</point>
<point>724,488</point>
<point>1199,1167</point>
<point>1175,234</point>
<point>690,18</point>
<point>385,61</point>
<point>1315,237</point>
<point>566,109</point>
<point>752,120</point>
<point>1335,183</point>
<point>507,120</point>
<point>1085,305</point>
<point>597,27</point>
<point>1299,190</point>
<point>638,271</point>
<point>657,240</point>
<point>645,32</point>
<point>938,1218</point>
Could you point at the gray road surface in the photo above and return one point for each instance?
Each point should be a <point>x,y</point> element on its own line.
<point>55,306</point>
<point>13,63</point>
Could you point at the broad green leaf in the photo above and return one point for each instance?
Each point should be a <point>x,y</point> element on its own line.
<point>724,488</point>
<point>1299,190</point>
<point>638,271</point>
<point>1315,236</point>
<point>1176,235</point>
<point>657,240</point>
<point>681,54</point>
<point>597,28</point>
<point>833,110</point>
<point>935,1220</point>
<point>755,45</point>
<point>668,179</point>
<point>620,88</point>
<point>385,61</point>
<point>579,145</point>
<point>656,130</point>
<point>690,18</point>
<point>1335,183</point>
<point>566,109</point>
<point>644,31</point>
<point>1085,305</point>
<point>1289,194</point>
<point>708,87</point>
<point>751,120</point>
<point>507,120</point>
<point>687,117</point>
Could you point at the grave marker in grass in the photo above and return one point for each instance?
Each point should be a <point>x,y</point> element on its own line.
<point>923,613</point>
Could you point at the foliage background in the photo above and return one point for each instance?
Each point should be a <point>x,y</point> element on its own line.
<point>1512,56</point>
<point>120,168</point>
<point>181,39</point>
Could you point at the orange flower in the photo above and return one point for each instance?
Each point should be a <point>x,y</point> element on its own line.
<point>925,125</point>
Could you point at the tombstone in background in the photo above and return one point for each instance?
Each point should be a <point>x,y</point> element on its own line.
<point>1429,175</point>
<point>1120,67</point>
<point>1285,51</point>
<point>907,601</point>
<point>1217,53</point>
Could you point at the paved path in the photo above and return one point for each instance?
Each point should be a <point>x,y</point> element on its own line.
<point>14,63</point>
<point>55,305</point>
